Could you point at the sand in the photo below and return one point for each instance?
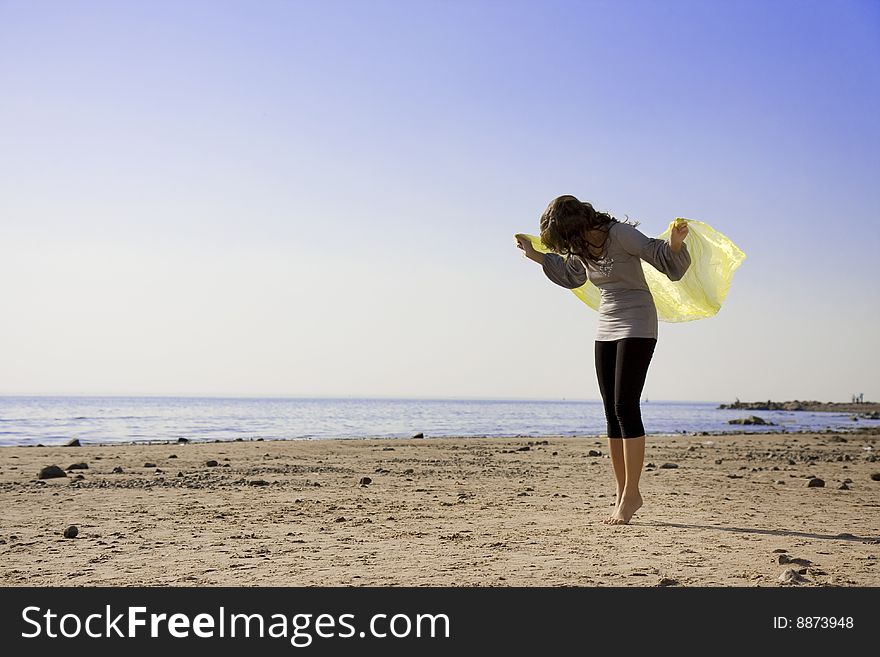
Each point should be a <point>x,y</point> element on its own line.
<point>443,511</point>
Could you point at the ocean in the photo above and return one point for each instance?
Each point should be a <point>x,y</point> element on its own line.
<point>56,420</point>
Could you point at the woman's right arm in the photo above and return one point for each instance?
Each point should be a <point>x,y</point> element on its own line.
<point>568,272</point>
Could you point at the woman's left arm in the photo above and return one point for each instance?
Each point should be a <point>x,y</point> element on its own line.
<point>671,258</point>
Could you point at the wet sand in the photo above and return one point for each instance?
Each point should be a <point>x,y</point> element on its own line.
<point>444,511</point>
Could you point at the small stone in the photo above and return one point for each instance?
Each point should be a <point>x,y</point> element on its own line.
<point>669,466</point>
<point>71,532</point>
<point>408,471</point>
<point>524,448</point>
<point>554,453</point>
<point>73,442</point>
<point>667,581</point>
<point>78,466</point>
<point>183,441</point>
<point>594,452</point>
<point>780,551</point>
<point>365,481</point>
<point>258,482</point>
<point>843,486</point>
<point>117,470</point>
<point>340,519</point>
<point>815,482</point>
<point>875,476</point>
<point>173,456</point>
<point>52,472</point>
<point>212,463</point>
<point>790,576</point>
<point>784,558</point>
<point>149,465</point>
<point>419,435</point>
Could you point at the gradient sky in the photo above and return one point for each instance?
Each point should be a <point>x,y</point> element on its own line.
<point>316,198</point>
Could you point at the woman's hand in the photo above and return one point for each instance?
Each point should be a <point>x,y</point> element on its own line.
<point>677,235</point>
<point>525,244</point>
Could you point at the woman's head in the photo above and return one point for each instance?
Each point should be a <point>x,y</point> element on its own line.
<point>565,225</point>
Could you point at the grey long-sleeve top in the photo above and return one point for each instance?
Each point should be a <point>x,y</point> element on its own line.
<point>626,309</point>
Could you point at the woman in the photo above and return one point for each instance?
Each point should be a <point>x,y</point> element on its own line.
<point>609,252</point>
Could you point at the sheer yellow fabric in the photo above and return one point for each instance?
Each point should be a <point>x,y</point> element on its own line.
<point>703,288</point>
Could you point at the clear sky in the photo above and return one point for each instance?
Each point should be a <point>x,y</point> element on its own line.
<point>318,198</point>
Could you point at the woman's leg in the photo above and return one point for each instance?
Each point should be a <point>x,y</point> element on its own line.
<point>633,357</point>
<point>606,365</point>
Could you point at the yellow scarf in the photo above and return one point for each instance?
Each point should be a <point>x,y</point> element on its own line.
<point>700,292</point>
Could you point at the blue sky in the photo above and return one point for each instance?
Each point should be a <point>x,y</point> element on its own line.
<point>318,198</point>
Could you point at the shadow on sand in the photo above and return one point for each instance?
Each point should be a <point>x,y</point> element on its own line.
<point>771,532</point>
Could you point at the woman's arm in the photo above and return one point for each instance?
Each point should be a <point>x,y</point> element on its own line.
<point>568,272</point>
<point>671,258</point>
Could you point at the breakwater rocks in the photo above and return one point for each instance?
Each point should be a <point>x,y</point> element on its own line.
<point>866,410</point>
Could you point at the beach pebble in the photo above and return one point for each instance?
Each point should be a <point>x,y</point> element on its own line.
<point>173,456</point>
<point>594,452</point>
<point>212,463</point>
<point>669,466</point>
<point>843,486</point>
<point>149,465</point>
<point>524,448</point>
<point>78,466</point>
<point>117,470</point>
<point>365,481</point>
<point>258,482</point>
<point>815,482</point>
<point>419,435</point>
<point>71,532</point>
<point>667,581</point>
<point>74,442</point>
<point>183,441</point>
<point>408,471</point>
<point>791,576</point>
<point>340,519</point>
<point>51,472</point>
<point>875,476</point>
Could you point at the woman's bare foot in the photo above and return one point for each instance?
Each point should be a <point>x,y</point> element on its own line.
<point>625,510</point>
<point>610,517</point>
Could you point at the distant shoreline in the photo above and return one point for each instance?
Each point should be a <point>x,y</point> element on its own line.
<point>812,406</point>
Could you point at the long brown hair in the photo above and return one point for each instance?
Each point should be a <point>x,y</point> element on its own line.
<point>564,226</point>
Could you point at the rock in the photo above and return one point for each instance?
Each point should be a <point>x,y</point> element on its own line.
<point>419,435</point>
<point>117,470</point>
<point>340,519</point>
<point>669,466</point>
<point>183,441</point>
<point>149,465</point>
<point>365,481</point>
<point>173,456</point>
<point>667,581</point>
<point>780,551</point>
<point>650,465</point>
<point>71,532</point>
<point>52,472</point>
<point>875,476</point>
<point>815,482</point>
<point>258,482</point>
<point>843,486</point>
<point>594,452</point>
<point>524,448</point>
<point>751,419</point>
<point>212,463</point>
<point>73,442</point>
<point>791,576</point>
<point>78,466</point>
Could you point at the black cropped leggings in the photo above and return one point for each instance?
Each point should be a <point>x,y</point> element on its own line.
<point>621,366</point>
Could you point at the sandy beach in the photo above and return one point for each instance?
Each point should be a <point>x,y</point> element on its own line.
<point>734,510</point>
